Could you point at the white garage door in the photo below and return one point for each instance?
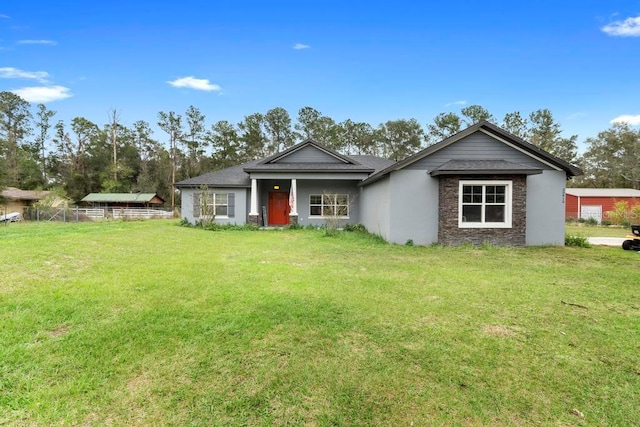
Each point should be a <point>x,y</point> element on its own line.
<point>591,212</point>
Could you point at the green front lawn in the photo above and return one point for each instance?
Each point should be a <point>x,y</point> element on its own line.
<point>148,323</point>
<point>596,230</point>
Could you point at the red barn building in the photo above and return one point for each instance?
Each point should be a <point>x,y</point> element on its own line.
<point>596,202</point>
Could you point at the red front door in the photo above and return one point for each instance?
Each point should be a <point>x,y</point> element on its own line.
<point>278,208</point>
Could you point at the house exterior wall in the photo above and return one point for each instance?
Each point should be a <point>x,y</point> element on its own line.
<point>13,206</point>
<point>375,207</point>
<point>308,187</point>
<point>574,203</point>
<point>478,146</point>
<point>449,232</point>
<point>413,196</point>
<point>545,207</point>
<point>241,207</point>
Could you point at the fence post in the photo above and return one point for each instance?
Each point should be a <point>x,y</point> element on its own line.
<point>77,220</point>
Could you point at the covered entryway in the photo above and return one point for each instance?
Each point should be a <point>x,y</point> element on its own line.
<point>278,208</point>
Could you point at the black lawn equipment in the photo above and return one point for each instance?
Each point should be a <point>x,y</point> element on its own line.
<point>633,240</point>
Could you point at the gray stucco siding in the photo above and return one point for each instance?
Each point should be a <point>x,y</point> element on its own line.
<point>375,207</point>
<point>545,208</point>
<point>308,187</point>
<point>304,189</point>
<point>479,146</point>
<point>414,207</point>
<point>240,216</point>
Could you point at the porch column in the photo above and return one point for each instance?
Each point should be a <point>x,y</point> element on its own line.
<point>253,211</point>
<point>293,202</point>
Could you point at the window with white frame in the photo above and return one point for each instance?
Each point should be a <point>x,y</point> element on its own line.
<point>218,204</point>
<point>484,204</point>
<point>324,205</point>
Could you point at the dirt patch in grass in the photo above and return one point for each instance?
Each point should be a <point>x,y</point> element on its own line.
<point>139,384</point>
<point>59,331</point>
<point>499,331</point>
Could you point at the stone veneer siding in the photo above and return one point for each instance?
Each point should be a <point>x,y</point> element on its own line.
<point>450,234</point>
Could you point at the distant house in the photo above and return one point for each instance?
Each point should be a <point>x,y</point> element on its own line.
<point>123,200</point>
<point>16,200</point>
<point>596,202</point>
<point>480,185</point>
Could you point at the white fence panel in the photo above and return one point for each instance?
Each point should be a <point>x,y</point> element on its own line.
<point>141,213</point>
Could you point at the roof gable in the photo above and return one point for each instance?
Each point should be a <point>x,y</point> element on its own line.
<point>308,151</point>
<point>528,152</point>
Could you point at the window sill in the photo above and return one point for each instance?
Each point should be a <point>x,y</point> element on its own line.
<point>484,225</point>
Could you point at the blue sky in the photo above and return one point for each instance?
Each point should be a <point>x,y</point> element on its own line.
<point>365,61</point>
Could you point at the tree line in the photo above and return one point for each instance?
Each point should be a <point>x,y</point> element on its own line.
<point>80,156</point>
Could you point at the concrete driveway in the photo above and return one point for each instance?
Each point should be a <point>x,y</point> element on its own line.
<point>607,241</point>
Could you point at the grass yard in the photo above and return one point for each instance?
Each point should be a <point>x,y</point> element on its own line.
<point>148,323</point>
<point>597,231</point>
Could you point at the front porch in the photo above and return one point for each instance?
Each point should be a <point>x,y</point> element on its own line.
<point>277,202</point>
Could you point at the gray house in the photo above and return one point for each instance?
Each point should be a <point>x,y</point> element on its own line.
<point>480,185</point>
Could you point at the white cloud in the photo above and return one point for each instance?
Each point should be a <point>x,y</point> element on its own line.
<point>43,93</point>
<point>15,73</point>
<point>627,118</point>
<point>47,42</point>
<point>193,83</point>
<point>462,102</point>
<point>300,46</point>
<point>4,16</point>
<point>630,27</point>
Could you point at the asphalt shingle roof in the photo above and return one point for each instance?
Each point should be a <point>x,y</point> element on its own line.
<point>467,167</point>
<point>236,176</point>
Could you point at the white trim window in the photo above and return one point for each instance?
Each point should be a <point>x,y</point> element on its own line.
<point>328,205</point>
<point>219,204</point>
<point>484,204</point>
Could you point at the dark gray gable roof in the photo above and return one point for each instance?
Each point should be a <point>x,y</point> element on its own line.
<point>374,162</point>
<point>308,167</point>
<point>343,163</point>
<point>481,167</point>
<point>238,176</point>
<point>304,144</point>
<point>234,176</point>
<point>490,129</point>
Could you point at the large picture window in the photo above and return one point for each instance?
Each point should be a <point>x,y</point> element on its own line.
<point>484,204</point>
<point>326,205</point>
